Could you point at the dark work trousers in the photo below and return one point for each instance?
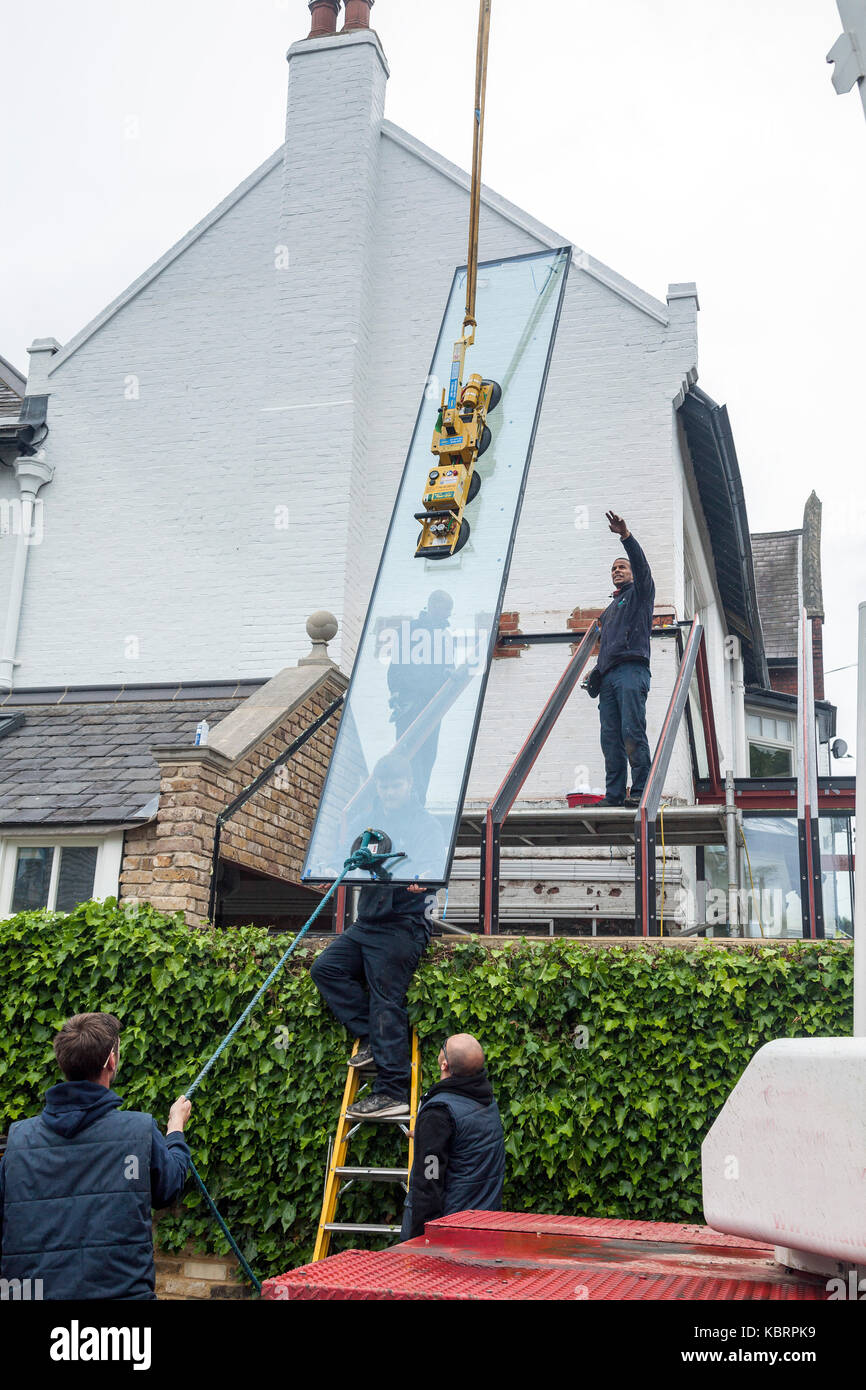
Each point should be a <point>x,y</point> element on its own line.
<point>622,708</point>
<point>384,955</point>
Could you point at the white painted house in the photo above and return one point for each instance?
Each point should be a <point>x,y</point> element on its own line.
<point>226,438</point>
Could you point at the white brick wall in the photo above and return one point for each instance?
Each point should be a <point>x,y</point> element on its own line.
<point>160,521</point>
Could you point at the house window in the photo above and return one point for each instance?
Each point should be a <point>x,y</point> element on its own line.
<point>53,876</point>
<point>771,745</point>
<point>57,873</point>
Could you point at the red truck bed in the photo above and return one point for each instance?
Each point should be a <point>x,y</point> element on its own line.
<point>511,1255</point>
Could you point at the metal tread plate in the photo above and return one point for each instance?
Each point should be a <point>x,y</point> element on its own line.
<point>504,1256</point>
<point>362,1228</point>
<point>374,1174</point>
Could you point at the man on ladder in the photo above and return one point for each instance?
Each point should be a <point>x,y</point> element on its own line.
<point>382,949</point>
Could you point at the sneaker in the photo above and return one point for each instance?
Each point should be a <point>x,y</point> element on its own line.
<point>363,1057</point>
<point>633,801</point>
<point>605,801</point>
<point>377,1106</point>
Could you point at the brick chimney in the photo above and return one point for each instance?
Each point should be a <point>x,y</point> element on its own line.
<point>357,15</point>
<point>324,13</point>
<point>330,201</point>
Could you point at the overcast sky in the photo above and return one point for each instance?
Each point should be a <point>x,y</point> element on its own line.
<point>673,139</point>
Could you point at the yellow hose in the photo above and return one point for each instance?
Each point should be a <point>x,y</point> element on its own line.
<point>662,918</point>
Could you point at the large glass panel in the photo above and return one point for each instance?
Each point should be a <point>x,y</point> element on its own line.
<point>32,878</point>
<point>769,874</point>
<point>421,667</point>
<point>837,874</point>
<point>76,877</point>
<point>769,897</point>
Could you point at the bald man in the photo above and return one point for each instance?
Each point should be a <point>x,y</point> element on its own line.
<point>459,1145</point>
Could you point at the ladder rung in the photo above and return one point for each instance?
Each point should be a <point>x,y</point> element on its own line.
<point>374,1174</point>
<point>363,1229</point>
<point>378,1119</point>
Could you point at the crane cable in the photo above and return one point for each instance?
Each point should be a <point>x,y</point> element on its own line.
<point>477,143</point>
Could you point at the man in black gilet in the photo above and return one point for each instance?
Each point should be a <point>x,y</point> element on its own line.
<point>77,1183</point>
<point>459,1145</point>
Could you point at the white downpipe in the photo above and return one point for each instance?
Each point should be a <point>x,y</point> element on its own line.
<point>860,850</point>
<point>13,611</point>
<point>31,473</point>
<point>739,758</point>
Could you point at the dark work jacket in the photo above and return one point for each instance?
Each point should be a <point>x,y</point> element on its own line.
<point>77,1184</point>
<point>383,903</point>
<point>626,623</point>
<point>459,1152</point>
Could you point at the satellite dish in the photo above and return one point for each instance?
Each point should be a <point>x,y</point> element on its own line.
<point>839,748</point>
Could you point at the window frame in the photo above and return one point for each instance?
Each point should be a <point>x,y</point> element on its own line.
<point>772,744</point>
<point>106,874</point>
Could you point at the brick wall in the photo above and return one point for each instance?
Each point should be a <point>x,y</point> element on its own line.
<point>509,626</point>
<point>168,861</point>
<point>784,678</point>
<point>818,656</point>
<point>186,1274</point>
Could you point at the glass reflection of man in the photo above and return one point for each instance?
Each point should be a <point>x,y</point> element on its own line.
<point>382,947</point>
<point>426,661</point>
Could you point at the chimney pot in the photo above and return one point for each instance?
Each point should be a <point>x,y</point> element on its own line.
<point>324,14</point>
<point>357,15</point>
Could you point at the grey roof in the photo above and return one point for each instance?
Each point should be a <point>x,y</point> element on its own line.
<point>12,388</point>
<point>777,562</point>
<point>88,761</point>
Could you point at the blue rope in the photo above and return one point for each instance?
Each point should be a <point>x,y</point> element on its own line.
<point>269,981</point>
<point>225,1230</point>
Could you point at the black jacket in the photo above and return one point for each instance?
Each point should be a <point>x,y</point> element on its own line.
<point>77,1184</point>
<point>626,623</point>
<point>437,1139</point>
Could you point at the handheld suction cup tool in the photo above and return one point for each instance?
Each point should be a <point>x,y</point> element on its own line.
<point>376,841</point>
<point>371,849</point>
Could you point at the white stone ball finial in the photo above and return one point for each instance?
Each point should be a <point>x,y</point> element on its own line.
<point>321,627</point>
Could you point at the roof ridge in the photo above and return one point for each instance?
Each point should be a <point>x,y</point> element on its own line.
<point>597,269</point>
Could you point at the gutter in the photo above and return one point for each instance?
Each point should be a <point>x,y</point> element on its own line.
<point>724,440</point>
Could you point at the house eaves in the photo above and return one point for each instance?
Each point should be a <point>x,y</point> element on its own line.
<point>720,486</point>
<point>12,388</point>
<point>12,378</point>
<point>545,235</point>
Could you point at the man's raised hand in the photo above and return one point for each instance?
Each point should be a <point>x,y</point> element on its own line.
<point>617,525</point>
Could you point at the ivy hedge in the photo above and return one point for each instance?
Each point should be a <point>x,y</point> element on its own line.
<point>609,1063</point>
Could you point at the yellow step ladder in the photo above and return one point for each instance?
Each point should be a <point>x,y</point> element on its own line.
<point>341,1175</point>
